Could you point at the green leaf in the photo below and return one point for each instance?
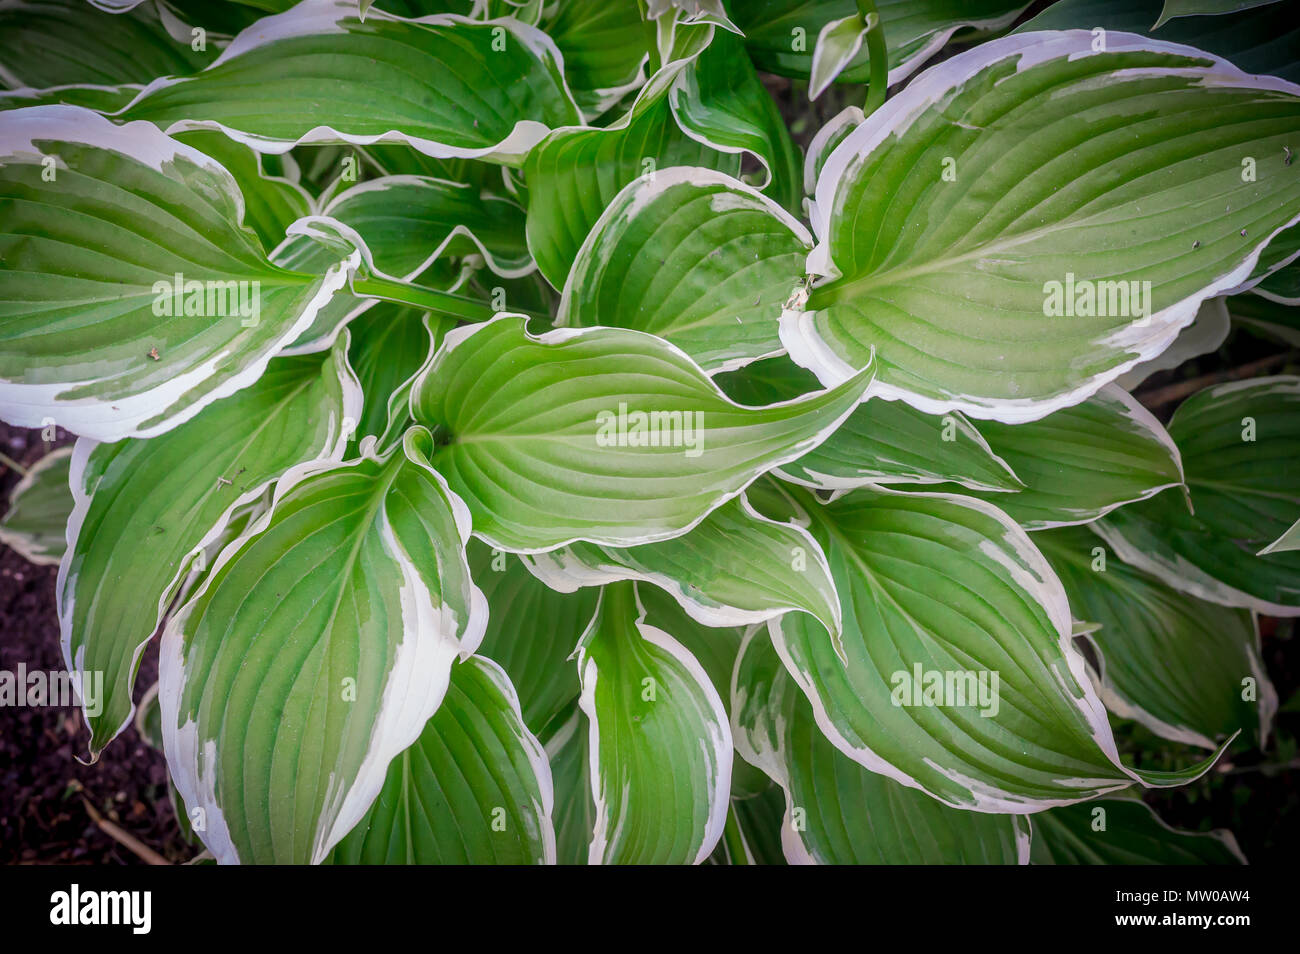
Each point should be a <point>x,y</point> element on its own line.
<point>1124,831</point>
<point>1271,320</point>
<point>759,820</point>
<point>1003,246</point>
<point>408,222</point>
<point>838,812</point>
<point>271,203</point>
<point>475,788</point>
<point>781,35</point>
<point>957,675</point>
<point>1185,8</point>
<point>606,48</point>
<point>735,568</point>
<point>1178,665</point>
<point>1081,462</point>
<point>39,506</point>
<point>532,631</point>
<point>574,173</point>
<point>45,43</point>
<point>715,649</point>
<point>550,439</point>
<point>98,220</point>
<point>575,810</point>
<point>389,345</point>
<point>720,100</point>
<point>881,442</point>
<point>316,651</point>
<point>1239,443</point>
<point>1260,40</point>
<point>445,85</point>
<point>651,706</point>
<point>144,509</point>
<point>837,44</point>
<point>102,99</point>
<point>695,257</point>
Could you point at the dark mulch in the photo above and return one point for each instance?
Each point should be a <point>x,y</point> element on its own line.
<point>43,818</point>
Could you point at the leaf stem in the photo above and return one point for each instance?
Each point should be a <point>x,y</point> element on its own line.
<point>420,296</point>
<point>878,81</point>
<point>733,839</point>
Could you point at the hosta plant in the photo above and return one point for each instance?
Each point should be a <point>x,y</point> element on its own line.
<point>542,430</point>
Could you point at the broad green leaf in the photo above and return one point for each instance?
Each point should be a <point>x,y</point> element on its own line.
<point>1017,295</point>
<point>659,741</point>
<point>408,222</point>
<point>144,509</point>
<point>881,442</point>
<point>1081,462</point>
<point>1186,669</point>
<point>103,229</point>
<point>316,651</point>
<point>574,173</point>
<point>781,35</point>
<point>575,810</point>
<point>958,675</point>
<point>271,203</point>
<point>1282,286</point>
<point>733,569</point>
<point>598,434</point>
<point>39,505</point>
<point>1185,8</point>
<point>1240,444</point>
<point>443,84</point>
<point>606,48</point>
<point>1260,40</point>
<point>50,43</point>
<point>475,788</point>
<point>1124,831</point>
<point>695,257</point>
<point>532,631</point>
<point>721,101</point>
<point>838,812</point>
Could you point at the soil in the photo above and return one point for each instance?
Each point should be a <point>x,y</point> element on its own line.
<point>43,785</point>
